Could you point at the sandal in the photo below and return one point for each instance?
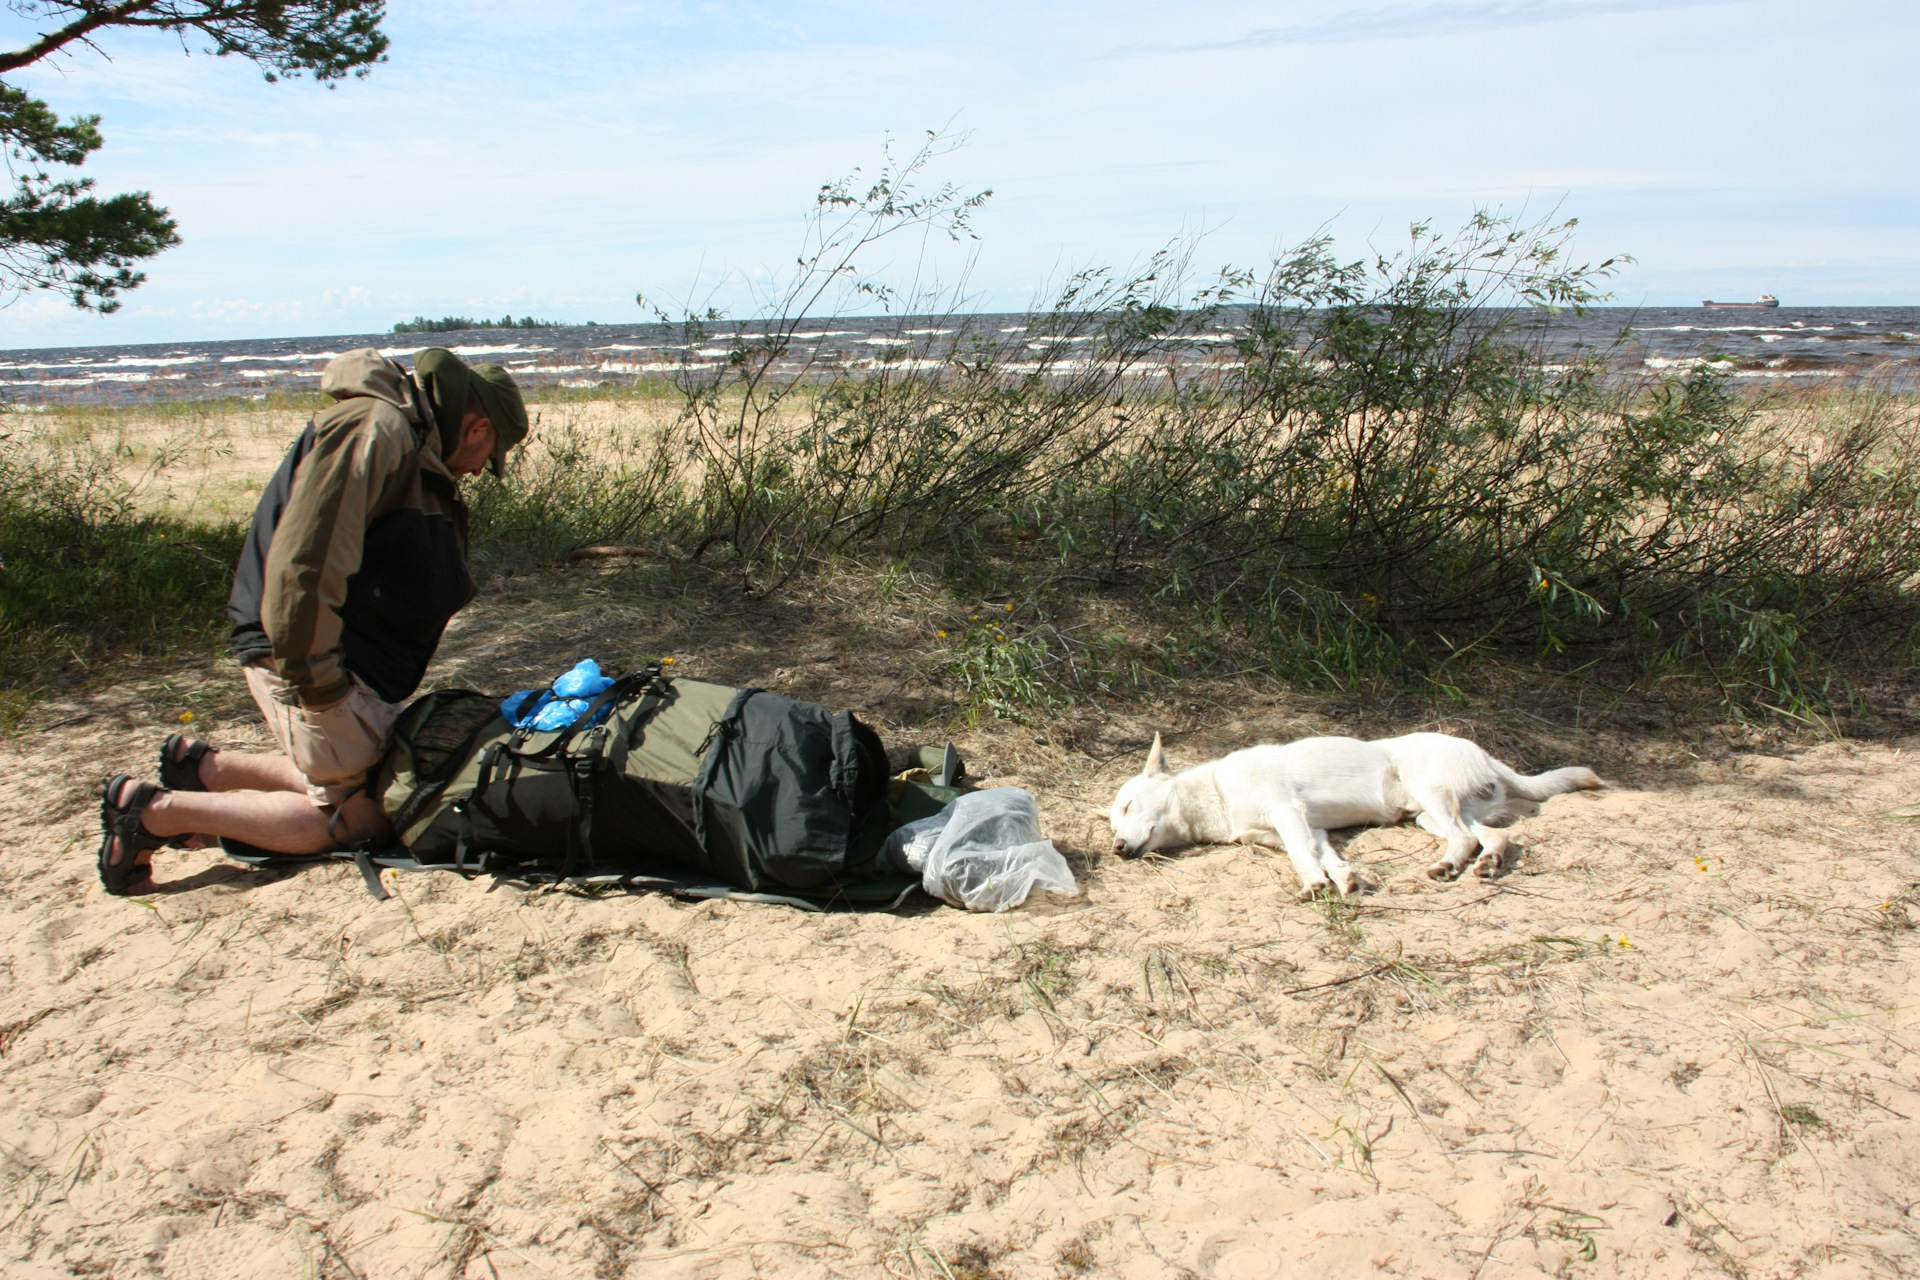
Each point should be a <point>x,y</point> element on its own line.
<point>180,770</point>
<point>122,822</point>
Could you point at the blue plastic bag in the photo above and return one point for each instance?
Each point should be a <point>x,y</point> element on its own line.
<point>544,710</point>
<point>584,681</point>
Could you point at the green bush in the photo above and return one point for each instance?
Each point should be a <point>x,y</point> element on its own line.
<point>1385,482</point>
<point>84,573</point>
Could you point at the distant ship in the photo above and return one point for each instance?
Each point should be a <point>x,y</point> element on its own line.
<point>1766,300</point>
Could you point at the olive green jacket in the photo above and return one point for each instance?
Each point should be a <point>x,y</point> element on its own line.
<point>357,557</point>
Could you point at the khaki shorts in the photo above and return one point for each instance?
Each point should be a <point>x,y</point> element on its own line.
<point>335,746</point>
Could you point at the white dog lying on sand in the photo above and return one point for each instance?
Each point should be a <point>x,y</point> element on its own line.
<point>1292,796</point>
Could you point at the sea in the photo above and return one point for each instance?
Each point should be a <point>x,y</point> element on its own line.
<point>1789,346</point>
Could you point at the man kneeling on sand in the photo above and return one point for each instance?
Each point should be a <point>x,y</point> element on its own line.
<point>356,560</point>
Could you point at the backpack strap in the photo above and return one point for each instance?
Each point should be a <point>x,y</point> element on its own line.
<point>583,767</point>
<point>463,814</point>
<point>583,777</point>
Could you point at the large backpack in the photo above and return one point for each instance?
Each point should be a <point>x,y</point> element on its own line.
<point>744,785</point>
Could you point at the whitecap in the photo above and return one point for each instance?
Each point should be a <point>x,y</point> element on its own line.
<point>1681,362</point>
<point>622,366</point>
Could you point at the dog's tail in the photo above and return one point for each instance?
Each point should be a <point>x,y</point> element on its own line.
<point>1551,783</point>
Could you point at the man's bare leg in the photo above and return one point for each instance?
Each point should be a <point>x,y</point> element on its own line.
<point>280,821</point>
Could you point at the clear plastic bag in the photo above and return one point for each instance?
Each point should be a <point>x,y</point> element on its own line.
<point>983,852</point>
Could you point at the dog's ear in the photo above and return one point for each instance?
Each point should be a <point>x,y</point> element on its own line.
<point>1156,759</point>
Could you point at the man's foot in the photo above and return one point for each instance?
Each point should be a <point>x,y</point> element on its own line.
<point>126,847</point>
<point>180,758</point>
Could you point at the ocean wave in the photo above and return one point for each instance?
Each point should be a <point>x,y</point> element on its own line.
<point>913,363</point>
<point>623,366</point>
<point>1683,362</point>
<point>299,355</point>
<point>1795,327</point>
<point>123,362</point>
<point>96,378</point>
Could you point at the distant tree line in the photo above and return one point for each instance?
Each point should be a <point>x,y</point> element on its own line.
<point>456,324</point>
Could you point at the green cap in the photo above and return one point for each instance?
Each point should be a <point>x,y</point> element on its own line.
<point>505,409</point>
<point>448,380</point>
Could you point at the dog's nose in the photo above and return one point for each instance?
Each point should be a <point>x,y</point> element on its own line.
<point>1119,848</point>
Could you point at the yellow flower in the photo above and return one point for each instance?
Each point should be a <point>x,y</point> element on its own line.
<point>976,617</point>
<point>1009,608</point>
<point>666,662</point>
<point>186,717</point>
<point>1626,942</point>
<point>943,635</point>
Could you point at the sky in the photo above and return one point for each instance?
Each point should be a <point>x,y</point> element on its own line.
<point>556,159</point>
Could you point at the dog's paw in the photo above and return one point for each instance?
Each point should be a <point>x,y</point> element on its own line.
<point>1442,871</point>
<point>1486,866</point>
<point>1315,889</point>
<point>1349,881</point>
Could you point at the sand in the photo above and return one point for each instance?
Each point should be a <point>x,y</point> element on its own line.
<point>1679,1037</point>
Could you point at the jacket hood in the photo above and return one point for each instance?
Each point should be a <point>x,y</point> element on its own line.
<point>368,373</point>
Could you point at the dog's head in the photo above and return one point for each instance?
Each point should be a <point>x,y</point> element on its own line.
<point>1141,810</point>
